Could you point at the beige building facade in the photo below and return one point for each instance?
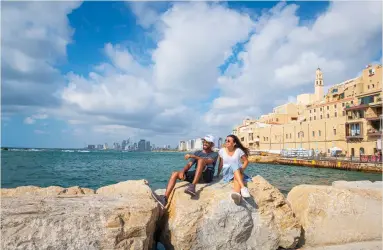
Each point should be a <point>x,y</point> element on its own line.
<point>348,117</point>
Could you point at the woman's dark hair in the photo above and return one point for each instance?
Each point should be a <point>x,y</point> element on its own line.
<point>238,144</point>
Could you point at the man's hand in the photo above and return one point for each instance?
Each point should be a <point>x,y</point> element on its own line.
<point>242,170</point>
<point>187,156</point>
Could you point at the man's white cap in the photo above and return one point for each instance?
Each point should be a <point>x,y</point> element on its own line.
<point>209,138</point>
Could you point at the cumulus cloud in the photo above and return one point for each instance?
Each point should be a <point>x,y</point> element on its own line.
<point>276,60</point>
<point>282,55</point>
<point>34,38</point>
<point>123,95</point>
<point>32,119</point>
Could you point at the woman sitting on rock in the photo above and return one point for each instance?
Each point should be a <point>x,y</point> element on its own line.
<point>230,163</point>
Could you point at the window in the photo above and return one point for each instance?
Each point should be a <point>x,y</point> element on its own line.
<point>321,116</point>
<point>319,133</point>
<point>242,138</point>
<point>276,119</point>
<point>342,104</point>
<point>290,135</point>
<point>298,135</point>
<point>328,107</point>
<point>334,131</point>
<point>275,137</point>
<point>352,102</point>
<point>264,138</point>
<point>250,136</point>
<point>310,118</point>
<point>373,85</point>
<point>344,113</point>
<point>315,117</point>
<point>361,151</point>
<point>368,86</point>
<point>314,110</point>
<point>320,109</point>
<point>313,133</point>
<point>334,106</point>
<point>328,115</point>
<point>310,111</point>
<point>335,114</point>
<point>287,136</point>
<point>267,138</point>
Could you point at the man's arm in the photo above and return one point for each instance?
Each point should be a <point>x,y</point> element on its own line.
<point>195,158</point>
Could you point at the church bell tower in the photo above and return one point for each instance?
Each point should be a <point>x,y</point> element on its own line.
<point>318,85</point>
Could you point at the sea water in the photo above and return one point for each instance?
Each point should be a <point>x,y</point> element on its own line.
<point>94,169</point>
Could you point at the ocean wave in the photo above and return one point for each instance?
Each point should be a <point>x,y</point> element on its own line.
<point>83,151</point>
<point>69,151</point>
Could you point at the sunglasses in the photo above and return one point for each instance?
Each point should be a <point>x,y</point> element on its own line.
<point>227,140</point>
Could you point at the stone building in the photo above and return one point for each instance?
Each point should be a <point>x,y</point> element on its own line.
<point>348,117</point>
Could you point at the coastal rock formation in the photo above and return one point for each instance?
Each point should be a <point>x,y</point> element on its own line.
<point>48,191</point>
<point>346,212</point>
<point>213,221</point>
<point>120,216</point>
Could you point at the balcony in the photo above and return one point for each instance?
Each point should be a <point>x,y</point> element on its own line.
<point>377,102</point>
<point>356,107</point>
<point>374,132</point>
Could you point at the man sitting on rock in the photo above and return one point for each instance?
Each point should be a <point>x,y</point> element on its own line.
<point>204,160</point>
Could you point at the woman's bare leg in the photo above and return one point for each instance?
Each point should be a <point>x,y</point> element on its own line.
<point>239,178</point>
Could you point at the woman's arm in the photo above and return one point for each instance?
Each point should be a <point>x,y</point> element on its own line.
<point>245,163</point>
<point>220,164</point>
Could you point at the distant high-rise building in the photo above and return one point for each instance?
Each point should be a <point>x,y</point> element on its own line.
<point>198,144</point>
<point>105,146</point>
<point>135,146</point>
<point>91,147</point>
<point>141,145</point>
<point>123,144</point>
<point>182,146</point>
<point>219,145</point>
<point>100,146</point>
<point>147,146</point>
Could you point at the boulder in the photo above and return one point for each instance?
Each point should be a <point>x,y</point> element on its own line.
<point>212,220</point>
<point>115,218</point>
<point>339,214</point>
<point>367,245</point>
<point>47,191</point>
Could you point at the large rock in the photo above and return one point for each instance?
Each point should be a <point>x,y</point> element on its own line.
<point>213,221</point>
<point>118,217</point>
<point>339,214</point>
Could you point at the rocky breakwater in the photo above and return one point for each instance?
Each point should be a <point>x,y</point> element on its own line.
<point>346,215</point>
<point>120,216</point>
<point>212,220</point>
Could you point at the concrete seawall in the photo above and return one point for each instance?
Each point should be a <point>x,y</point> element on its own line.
<point>334,164</point>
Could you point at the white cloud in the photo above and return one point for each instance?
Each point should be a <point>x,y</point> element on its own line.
<point>34,38</point>
<point>124,96</point>
<point>283,54</point>
<point>29,120</point>
<point>32,119</point>
<point>41,132</point>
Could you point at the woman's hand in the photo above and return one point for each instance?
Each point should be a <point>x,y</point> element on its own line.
<point>242,170</point>
<point>187,156</point>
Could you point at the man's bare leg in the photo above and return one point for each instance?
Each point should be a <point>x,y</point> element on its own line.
<point>172,182</point>
<point>198,173</point>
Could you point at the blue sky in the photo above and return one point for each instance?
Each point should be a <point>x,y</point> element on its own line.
<point>93,72</point>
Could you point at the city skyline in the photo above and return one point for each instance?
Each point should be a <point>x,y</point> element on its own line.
<point>188,69</point>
